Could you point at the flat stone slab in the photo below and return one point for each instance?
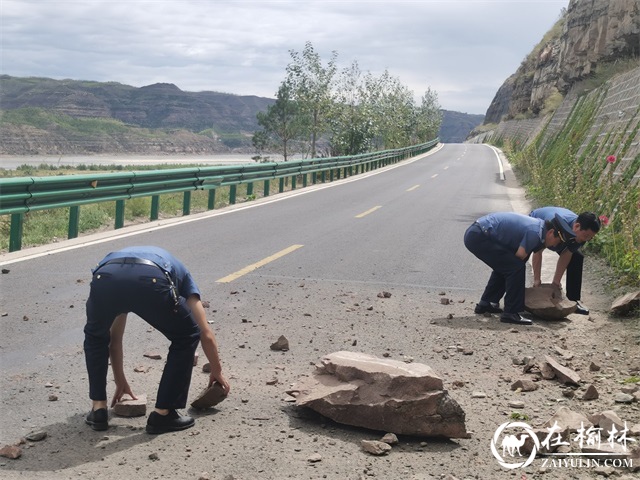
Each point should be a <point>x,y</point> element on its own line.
<point>209,397</point>
<point>130,407</point>
<point>626,303</point>
<point>381,394</point>
<point>564,374</point>
<point>548,302</point>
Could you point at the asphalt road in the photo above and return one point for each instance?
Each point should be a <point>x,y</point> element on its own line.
<point>292,264</point>
<point>397,228</point>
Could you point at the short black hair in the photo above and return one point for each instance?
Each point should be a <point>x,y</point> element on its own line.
<point>588,221</point>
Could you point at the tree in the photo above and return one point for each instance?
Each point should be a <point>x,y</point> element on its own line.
<point>311,84</point>
<point>428,117</point>
<point>281,125</point>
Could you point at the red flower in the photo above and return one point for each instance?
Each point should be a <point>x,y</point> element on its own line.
<point>604,220</point>
<point>611,159</point>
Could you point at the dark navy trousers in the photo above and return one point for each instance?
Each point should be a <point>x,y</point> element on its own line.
<point>574,276</point>
<point>145,291</point>
<point>508,271</point>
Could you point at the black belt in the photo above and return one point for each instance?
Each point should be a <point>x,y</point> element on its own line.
<point>131,260</point>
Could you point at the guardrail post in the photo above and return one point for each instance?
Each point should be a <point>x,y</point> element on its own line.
<point>304,180</point>
<point>186,203</point>
<point>281,186</point>
<point>267,184</point>
<point>324,176</point>
<point>314,177</point>
<point>350,170</point>
<point>15,234</point>
<point>211,201</point>
<point>338,174</point>
<point>331,175</point>
<point>119,214</point>
<point>294,179</point>
<point>232,194</point>
<point>74,220</point>
<point>249,188</point>
<point>155,207</point>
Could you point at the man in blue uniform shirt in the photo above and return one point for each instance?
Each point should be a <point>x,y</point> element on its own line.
<point>585,226</point>
<point>156,286</point>
<point>504,241</point>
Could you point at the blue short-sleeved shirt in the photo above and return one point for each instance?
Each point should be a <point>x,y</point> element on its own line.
<point>181,277</point>
<point>514,230</point>
<point>548,214</point>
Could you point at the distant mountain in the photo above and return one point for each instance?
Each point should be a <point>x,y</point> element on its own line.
<point>456,126</point>
<point>51,117</point>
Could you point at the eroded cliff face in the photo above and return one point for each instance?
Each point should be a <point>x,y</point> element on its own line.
<point>590,32</point>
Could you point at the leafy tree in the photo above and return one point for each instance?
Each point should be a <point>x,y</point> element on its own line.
<point>428,117</point>
<point>311,84</point>
<point>281,124</point>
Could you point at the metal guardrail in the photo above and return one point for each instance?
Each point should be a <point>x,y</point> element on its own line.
<point>21,195</point>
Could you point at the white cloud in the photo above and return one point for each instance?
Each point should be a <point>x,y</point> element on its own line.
<point>462,49</point>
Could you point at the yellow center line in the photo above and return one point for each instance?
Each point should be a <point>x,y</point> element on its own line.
<point>413,188</point>
<point>254,266</point>
<point>434,176</point>
<point>371,210</point>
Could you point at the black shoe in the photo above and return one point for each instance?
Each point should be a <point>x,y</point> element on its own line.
<point>581,309</point>
<point>98,419</point>
<point>514,318</point>
<point>172,422</point>
<point>487,308</point>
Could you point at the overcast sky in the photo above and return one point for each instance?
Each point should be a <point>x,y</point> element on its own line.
<point>462,49</point>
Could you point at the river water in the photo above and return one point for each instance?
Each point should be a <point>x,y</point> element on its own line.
<point>11,162</point>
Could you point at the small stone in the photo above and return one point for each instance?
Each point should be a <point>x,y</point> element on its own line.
<point>210,396</point>
<point>205,304</point>
<point>384,295</point>
<point>25,318</point>
<point>206,368</point>
<point>623,398</point>
<point>450,316</point>
<point>5,271</point>
<point>445,301</point>
<point>129,407</point>
<point>315,458</point>
<point>10,451</point>
<point>282,344</point>
<point>36,436</point>
<point>478,395</point>
<point>516,404</point>
<point>524,385</point>
<point>594,367</point>
<point>53,397</point>
<point>591,393</point>
<point>273,381</point>
<point>568,393</point>
<point>153,356</point>
<point>374,447</point>
<point>153,456</point>
<point>141,369</point>
<point>390,438</point>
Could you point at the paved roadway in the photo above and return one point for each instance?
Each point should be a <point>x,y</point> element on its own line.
<point>398,229</point>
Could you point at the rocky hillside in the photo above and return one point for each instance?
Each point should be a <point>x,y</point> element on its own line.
<point>589,35</point>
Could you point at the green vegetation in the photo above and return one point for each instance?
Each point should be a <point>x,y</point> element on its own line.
<point>631,380</point>
<point>519,416</point>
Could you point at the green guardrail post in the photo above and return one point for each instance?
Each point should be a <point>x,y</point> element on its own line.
<point>350,170</point>
<point>186,203</point>
<point>267,184</point>
<point>211,200</point>
<point>304,180</point>
<point>155,207</point>
<point>338,174</point>
<point>324,176</point>
<point>232,194</point>
<point>314,177</point>
<point>331,175</point>
<point>74,221</point>
<point>119,214</point>
<point>15,233</point>
<point>249,188</point>
<point>281,186</point>
<point>294,180</point>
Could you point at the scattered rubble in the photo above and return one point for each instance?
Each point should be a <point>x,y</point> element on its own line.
<point>374,447</point>
<point>11,451</point>
<point>564,374</point>
<point>624,304</point>
<point>380,394</point>
<point>210,396</point>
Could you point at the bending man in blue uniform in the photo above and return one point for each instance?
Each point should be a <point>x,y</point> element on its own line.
<point>584,226</point>
<point>156,286</point>
<point>504,241</point>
